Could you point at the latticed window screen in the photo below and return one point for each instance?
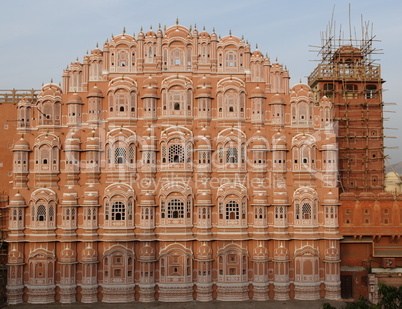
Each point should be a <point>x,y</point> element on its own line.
<point>188,208</point>
<point>41,213</point>
<point>188,153</point>
<point>232,155</point>
<point>176,153</point>
<point>163,209</point>
<point>51,213</point>
<point>306,211</point>
<point>232,210</point>
<point>120,155</point>
<point>131,154</point>
<point>220,155</point>
<point>175,209</point>
<point>106,211</point>
<point>146,157</point>
<point>118,211</point>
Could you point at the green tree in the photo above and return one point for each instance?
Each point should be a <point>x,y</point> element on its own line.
<point>391,297</point>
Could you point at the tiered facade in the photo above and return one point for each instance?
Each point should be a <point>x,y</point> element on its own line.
<point>174,166</point>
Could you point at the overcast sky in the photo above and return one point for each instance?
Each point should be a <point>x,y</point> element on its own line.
<point>40,38</point>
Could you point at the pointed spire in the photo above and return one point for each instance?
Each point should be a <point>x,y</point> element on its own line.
<point>97,45</point>
<point>159,25</point>
<point>124,30</point>
<point>150,27</point>
<point>213,30</point>
<point>195,26</point>
<point>141,29</point>
<point>76,59</point>
<point>242,38</point>
<point>51,80</point>
<point>177,21</point>
<point>230,32</point>
<point>112,36</point>
<point>190,28</point>
<point>203,29</point>
<point>256,46</point>
<point>276,59</point>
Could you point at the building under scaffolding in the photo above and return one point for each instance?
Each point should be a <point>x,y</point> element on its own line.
<point>350,77</point>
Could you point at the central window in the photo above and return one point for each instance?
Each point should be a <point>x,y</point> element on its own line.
<point>232,210</point>
<point>120,155</point>
<point>176,153</point>
<point>232,155</point>
<point>175,209</point>
<point>118,211</point>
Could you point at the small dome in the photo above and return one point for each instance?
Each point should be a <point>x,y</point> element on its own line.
<point>75,99</point>
<point>149,92</point>
<point>301,90</point>
<point>89,255</point>
<point>330,198</point>
<point>277,99</point>
<point>21,145</point>
<point>68,255</point>
<point>151,34</point>
<point>150,82</point>
<point>281,254</point>
<point>367,196</point>
<point>260,253</point>
<point>15,257</point>
<point>50,90</point>
<point>147,253</point>
<point>96,52</point>
<point>204,35</point>
<point>280,195</point>
<point>95,92</point>
<point>70,198</point>
<point>257,92</point>
<point>204,82</point>
<point>204,252</point>
<point>257,53</point>
<point>258,141</point>
<point>17,201</point>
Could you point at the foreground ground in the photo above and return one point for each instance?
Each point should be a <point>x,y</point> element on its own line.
<point>290,304</point>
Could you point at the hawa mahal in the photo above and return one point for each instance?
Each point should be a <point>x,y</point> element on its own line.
<point>177,165</point>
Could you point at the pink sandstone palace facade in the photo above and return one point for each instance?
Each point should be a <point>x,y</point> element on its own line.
<point>178,165</point>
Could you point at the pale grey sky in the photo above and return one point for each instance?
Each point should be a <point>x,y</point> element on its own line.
<point>40,38</point>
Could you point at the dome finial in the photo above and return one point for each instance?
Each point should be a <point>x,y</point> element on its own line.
<point>256,46</point>
<point>150,27</point>
<point>124,30</point>
<point>213,30</point>
<point>97,45</point>
<point>159,25</point>
<point>177,21</point>
<point>203,28</point>
<point>51,80</point>
<point>230,32</point>
<point>141,29</point>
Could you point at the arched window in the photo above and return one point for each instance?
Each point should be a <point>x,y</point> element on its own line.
<point>176,57</point>
<point>118,211</point>
<point>231,59</point>
<point>176,153</point>
<point>120,155</point>
<point>41,213</point>
<point>232,155</point>
<point>175,209</point>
